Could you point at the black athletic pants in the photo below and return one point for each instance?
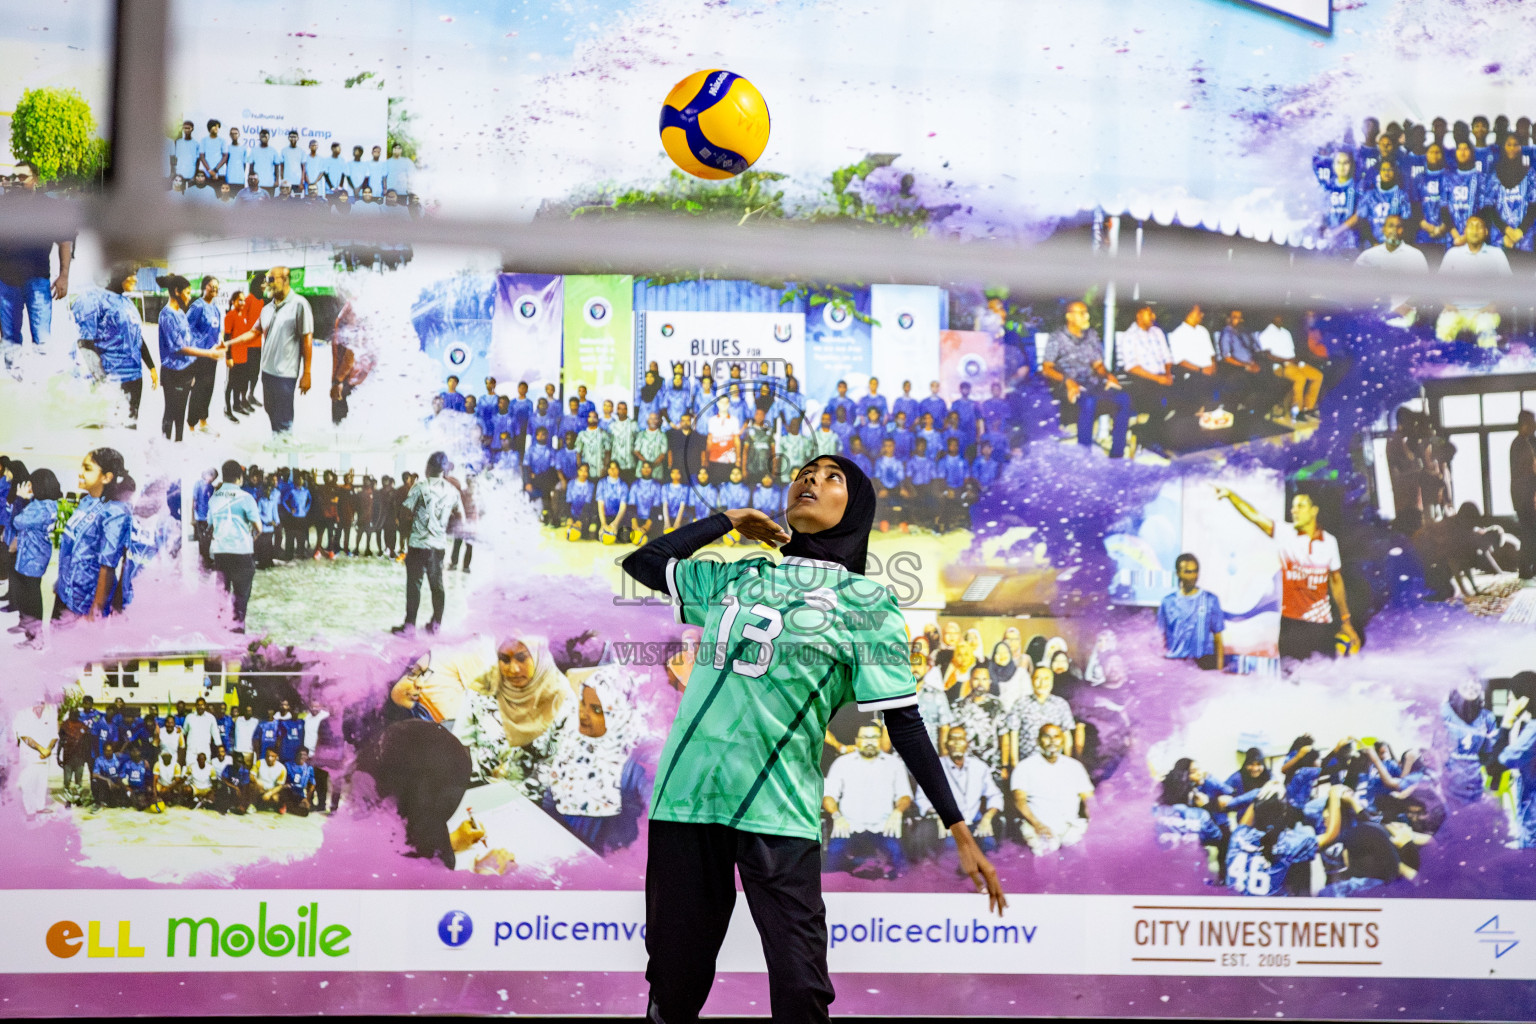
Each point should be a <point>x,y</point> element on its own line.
<point>237,571</point>
<point>423,562</point>
<point>1300,639</point>
<point>1525,515</point>
<point>690,891</point>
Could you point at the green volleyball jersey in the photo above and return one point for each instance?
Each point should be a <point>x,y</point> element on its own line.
<point>783,647</point>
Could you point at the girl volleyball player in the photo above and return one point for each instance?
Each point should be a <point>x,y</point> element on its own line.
<point>738,785</point>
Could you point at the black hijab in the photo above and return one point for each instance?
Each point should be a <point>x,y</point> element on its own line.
<point>847,543</point>
<point>650,387</point>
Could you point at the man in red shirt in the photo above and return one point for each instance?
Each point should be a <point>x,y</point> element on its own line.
<point>244,360</point>
<point>1311,585</point>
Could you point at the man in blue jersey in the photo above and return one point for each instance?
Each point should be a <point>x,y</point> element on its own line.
<point>298,792</point>
<point>107,788</point>
<point>264,162</point>
<point>232,788</point>
<point>1191,619</point>
<point>213,154</point>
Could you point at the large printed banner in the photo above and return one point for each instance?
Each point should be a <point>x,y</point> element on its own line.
<point>904,336</point>
<point>325,691</point>
<point>837,341</point>
<point>327,114</point>
<point>694,340</point>
<point>527,330</point>
<point>600,335</point>
<point>344,931</point>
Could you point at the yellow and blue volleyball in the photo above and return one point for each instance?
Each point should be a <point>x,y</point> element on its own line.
<point>1344,645</point>
<point>714,124</point>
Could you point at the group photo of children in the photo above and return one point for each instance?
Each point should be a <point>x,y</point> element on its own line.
<point>622,472</point>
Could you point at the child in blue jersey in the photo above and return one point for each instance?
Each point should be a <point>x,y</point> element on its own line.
<point>32,529</point>
<point>858,456</point>
<point>1469,735</point>
<point>703,496</point>
<point>580,508</point>
<point>901,435</point>
<point>611,497</point>
<point>966,411</point>
<point>767,496</point>
<point>643,497</point>
<point>1246,783</point>
<point>541,480</point>
<point>871,430</point>
<point>1270,839</point>
<point>985,469</point>
<point>1466,185</point>
<point>179,353</point>
<point>1341,193</point>
<point>841,403</point>
<point>1388,197</point>
<point>676,501</point>
<point>890,473</point>
<point>94,540</point>
<point>678,398</point>
<point>1509,191</point>
<point>734,493</point>
<point>842,428</point>
<point>1432,188</point>
<point>922,486</point>
<point>1182,816</point>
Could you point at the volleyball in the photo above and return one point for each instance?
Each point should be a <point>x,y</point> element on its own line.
<point>714,124</point>
<point>609,537</point>
<point>637,536</point>
<point>574,533</point>
<point>1344,645</point>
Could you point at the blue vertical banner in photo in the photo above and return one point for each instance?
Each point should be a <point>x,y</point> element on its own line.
<point>837,340</point>
<point>526,330</point>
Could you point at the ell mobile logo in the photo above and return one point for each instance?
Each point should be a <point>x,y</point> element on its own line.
<point>307,937</point>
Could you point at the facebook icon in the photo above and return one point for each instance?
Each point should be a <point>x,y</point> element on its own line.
<point>455,929</point>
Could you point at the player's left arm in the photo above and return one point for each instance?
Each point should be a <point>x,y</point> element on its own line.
<point>1336,590</point>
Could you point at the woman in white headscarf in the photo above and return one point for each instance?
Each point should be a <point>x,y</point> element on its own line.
<point>595,783</point>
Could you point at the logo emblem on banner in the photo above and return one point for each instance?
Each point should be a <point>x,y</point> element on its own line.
<point>456,355</point>
<point>836,315</point>
<point>528,308</point>
<point>667,330</point>
<point>905,321</point>
<point>597,312</point>
<point>455,929</point>
<point>783,332</point>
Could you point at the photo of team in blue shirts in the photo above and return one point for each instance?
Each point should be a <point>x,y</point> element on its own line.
<point>623,472</point>
<point>1458,199</point>
<point>206,756</point>
<point>1315,820</point>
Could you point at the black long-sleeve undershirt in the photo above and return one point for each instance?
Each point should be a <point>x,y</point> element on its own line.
<point>909,736</point>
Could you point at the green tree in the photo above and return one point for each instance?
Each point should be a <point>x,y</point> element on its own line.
<point>54,130</point>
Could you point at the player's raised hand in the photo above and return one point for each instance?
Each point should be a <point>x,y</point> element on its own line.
<point>975,864</point>
<point>753,524</point>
